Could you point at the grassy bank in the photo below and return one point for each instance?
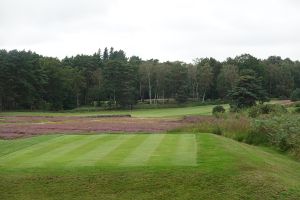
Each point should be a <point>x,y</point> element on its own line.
<point>222,169</point>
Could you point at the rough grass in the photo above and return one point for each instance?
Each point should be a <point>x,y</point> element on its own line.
<point>159,166</point>
<point>233,126</point>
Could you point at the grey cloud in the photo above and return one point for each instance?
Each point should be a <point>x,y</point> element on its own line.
<point>169,29</point>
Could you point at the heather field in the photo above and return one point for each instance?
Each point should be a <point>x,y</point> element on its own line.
<point>24,126</point>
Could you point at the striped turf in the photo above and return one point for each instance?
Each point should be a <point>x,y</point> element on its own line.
<point>123,150</point>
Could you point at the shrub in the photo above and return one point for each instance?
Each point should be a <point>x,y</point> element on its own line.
<point>295,96</point>
<point>282,132</point>
<point>231,126</point>
<point>217,130</point>
<point>264,109</point>
<point>218,109</point>
<point>297,110</point>
<point>258,133</point>
<point>234,109</point>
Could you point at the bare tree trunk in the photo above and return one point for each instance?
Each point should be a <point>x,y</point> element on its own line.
<point>149,85</point>
<point>115,97</point>
<point>77,100</point>
<point>193,90</point>
<point>203,97</point>
<point>140,90</point>
<point>197,91</point>
<point>270,86</point>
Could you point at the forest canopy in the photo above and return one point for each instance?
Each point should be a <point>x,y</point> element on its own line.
<point>32,81</point>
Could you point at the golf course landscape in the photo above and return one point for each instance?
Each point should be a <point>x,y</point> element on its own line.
<point>149,100</point>
<point>180,163</point>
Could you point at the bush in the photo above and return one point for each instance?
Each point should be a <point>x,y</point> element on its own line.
<point>231,126</point>
<point>264,109</point>
<point>282,132</point>
<point>295,96</point>
<point>217,130</point>
<point>257,135</point>
<point>297,110</point>
<point>234,108</point>
<point>218,109</point>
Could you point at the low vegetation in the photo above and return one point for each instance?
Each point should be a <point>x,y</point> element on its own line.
<point>266,109</point>
<point>281,132</point>
<point>218,110</point>
<point>295,96</point>
<point>269,125</point>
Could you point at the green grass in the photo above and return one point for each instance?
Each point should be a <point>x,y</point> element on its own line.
<point>159,112</point>
<point>102,150</point>
<point>144,166</point>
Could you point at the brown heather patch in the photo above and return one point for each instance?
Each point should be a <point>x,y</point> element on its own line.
<point>23,126</point>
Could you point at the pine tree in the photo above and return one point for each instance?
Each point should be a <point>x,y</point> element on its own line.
<point>247,91</point>
<point>105,55</point>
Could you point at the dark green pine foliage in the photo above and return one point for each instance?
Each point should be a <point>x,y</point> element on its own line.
<point>31,81</point>
<point>127,93</point>
<point>120,80</point>
<point>21,80</point>
<point>180,82</point>
<point>247,92</point>
<point>105,55</point>
<point>88,65</point>
<point>295,96</point>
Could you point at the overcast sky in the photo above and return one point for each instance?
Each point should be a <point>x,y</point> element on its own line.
<point>163,29</point>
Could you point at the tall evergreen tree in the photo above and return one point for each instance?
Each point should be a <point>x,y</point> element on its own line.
<point>105,55</point>
<point>180,82</point>
<point>247,91</point>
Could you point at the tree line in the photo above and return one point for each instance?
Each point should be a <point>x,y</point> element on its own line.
<point>32,81</point>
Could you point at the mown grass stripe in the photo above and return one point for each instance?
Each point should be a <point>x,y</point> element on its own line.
<point>116,156</point>
<point>143,152</point>
<point>11,146</point>
<point>33,150</point>
<point>89,145</point>
<point>186,151</point>
<point>28,159</point>
<point>52,155</point>
<point>86,149</point>
<point>92,157</point>
<point>164,153</point>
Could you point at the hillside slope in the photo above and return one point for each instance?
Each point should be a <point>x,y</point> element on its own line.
<point>223,169</point>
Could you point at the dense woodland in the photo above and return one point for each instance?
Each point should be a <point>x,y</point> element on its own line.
<point>31,81</point>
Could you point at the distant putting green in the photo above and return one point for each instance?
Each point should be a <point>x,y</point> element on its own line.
<point>116,150</point>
